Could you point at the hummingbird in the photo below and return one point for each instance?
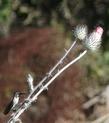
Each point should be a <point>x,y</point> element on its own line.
<point>93,40</point>
<point>13,103</point>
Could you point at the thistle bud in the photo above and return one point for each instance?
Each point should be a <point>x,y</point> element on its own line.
<point>93,41</point>
<point>81,31</point>
<point>30,82</point>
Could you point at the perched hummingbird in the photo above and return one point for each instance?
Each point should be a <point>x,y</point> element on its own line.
<point>13,103</point>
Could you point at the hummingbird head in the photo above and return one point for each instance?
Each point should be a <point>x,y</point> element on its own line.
<point>17,93</point>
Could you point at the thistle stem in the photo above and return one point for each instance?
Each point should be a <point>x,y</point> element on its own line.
<point>58,73</point>
<point>24,106</point>
<point>53,69</point>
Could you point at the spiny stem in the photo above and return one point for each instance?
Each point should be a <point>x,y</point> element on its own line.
<point>27,102</point>
<point>57,74</point>
<point>23,108</point>
<point>53,69</point>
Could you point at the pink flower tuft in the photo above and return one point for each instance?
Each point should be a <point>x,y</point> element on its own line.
<point>93,40</point>
<point>99,30</point>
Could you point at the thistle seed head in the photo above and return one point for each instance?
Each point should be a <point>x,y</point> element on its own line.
<point>80,32</point>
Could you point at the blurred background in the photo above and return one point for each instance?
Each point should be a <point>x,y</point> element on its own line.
<point>33,35</point>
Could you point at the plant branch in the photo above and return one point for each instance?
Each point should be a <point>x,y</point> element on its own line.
<point>58,73</point>
<point>27,103</point>
<point>53,69</point>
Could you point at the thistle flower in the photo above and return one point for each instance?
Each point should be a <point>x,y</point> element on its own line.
<point>93,41</point>
<point>81,31</point>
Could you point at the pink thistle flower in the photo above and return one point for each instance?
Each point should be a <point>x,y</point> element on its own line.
<point>93,41</point>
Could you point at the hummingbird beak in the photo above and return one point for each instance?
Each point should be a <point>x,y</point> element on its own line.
<point>21,93</point>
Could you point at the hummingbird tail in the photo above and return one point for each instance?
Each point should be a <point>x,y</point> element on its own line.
<point>7,109</point>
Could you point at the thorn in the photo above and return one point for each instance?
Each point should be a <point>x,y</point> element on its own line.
<point>26,100</point>
<point>46,88</point>
<point>58,70</point>
<point>49,75</point>
<point>12,114</point>
<point>65,50</point>
<point>61,62</point>
<point>41,86</point>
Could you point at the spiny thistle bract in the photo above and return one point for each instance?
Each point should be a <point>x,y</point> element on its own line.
<point>81,32</point>
<point>93,40</point>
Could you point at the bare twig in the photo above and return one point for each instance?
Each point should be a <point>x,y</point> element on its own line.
<point>101,119</point>
<point>91,102</point>
<point>53,69</point>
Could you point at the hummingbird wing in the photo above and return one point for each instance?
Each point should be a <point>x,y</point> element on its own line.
<point>8,108</point>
